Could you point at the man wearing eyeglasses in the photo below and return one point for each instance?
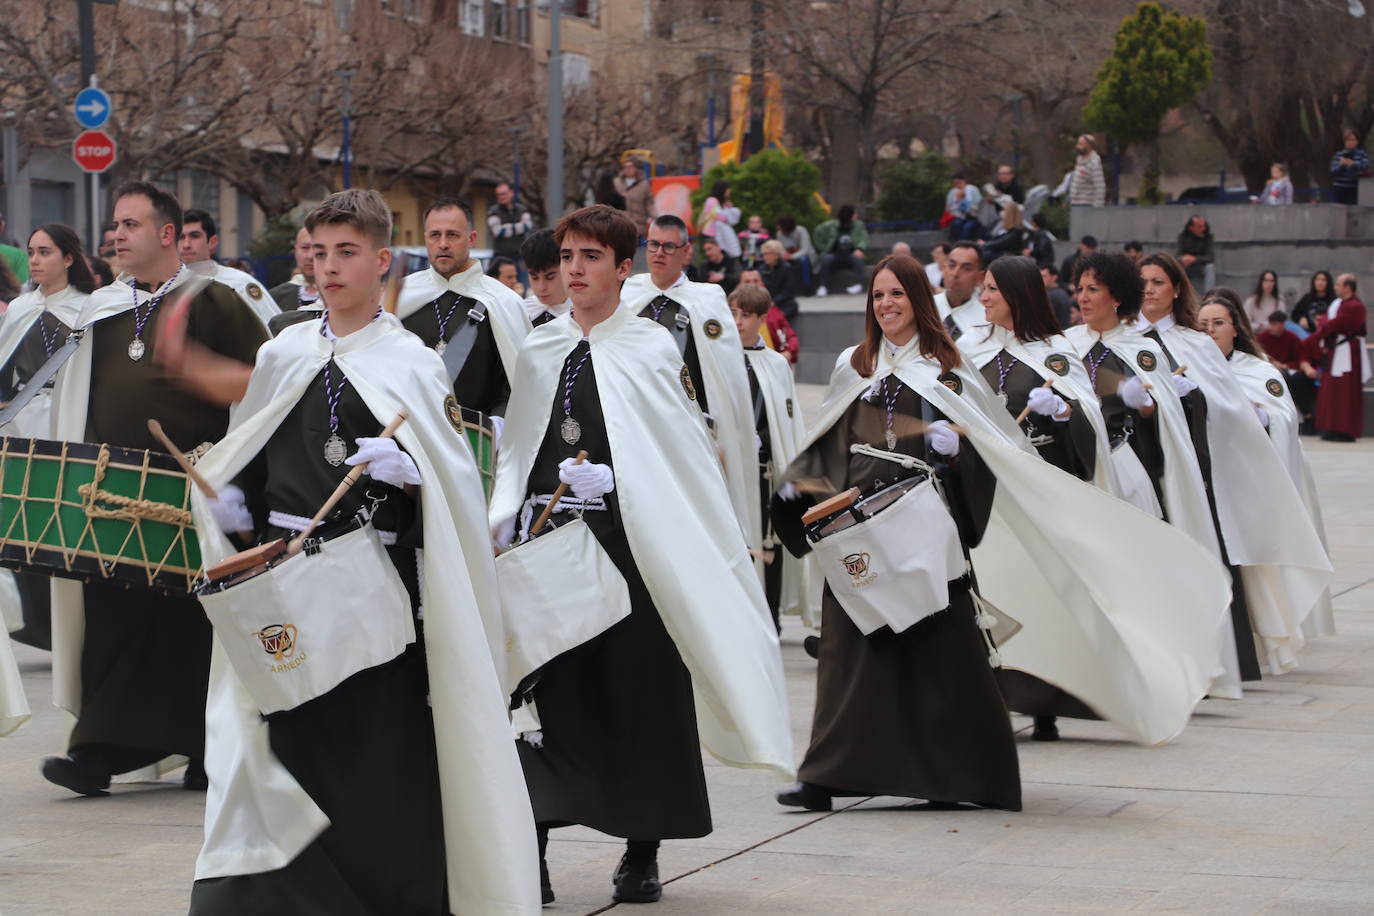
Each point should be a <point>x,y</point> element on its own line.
<point>699,320</point>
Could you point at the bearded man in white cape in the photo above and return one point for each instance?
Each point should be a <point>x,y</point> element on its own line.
<point>699,320</point>
<point>1281,570</point>
<point>453,303</point>
<point>691,658</point>
<point>396,791</point>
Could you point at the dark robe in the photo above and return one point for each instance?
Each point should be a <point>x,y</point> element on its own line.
<point>145,659</point>
<point>481,384</point>
<point>543,317</point>
<point>1340,401</point>
<point>1070,446</point>
<point>772,572</point>
<point>664,311</point>
<point>288,296</point>
<point>280,322</point>
<point>621,753</point>
<point>1125,424</point>
<point>364,751</point>
<point>915,714</point>
<point>35,597</point>
<point>1195,407</point>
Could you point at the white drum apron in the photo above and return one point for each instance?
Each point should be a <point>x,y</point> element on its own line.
<point>894,569</point>
<point>301,627</point>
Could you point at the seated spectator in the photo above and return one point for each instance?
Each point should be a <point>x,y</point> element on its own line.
<point>1040,241</point>
<point>751,240</point>
<point>718,267</point>
<point>1086,246</point>
<point>1279,190</point>
<point>1264,301</point>
<point>1060,300</point>
<point>777,330</point>
<point>1006,189</point>
<point>1195,250</point>
<point>935,270</point>
<point>1286,351</point>
<point>1011,237</point>
<point>961,210</point>
<point>1134,250</point>
<point>1348,164</point>
<point>779,277</point>
<point>504,271</point>
<point>841,242</point>
<point>1321,291</point>
<point>796,246</point>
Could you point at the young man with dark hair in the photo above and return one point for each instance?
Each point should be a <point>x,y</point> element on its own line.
<point>698,318</point>
<point>473,321</point>
<point>719,267</point>
<point>397,789</point>
<point>547,299</point>
<point>299,291</point>
<point>132,665</point>
<point>623,714</point>
<point>197,246</point>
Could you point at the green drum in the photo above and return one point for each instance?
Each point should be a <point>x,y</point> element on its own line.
<point>477,426</point>
<point>87,511</point>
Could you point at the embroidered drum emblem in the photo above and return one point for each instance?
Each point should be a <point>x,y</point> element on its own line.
<point>712,328</point>
<point>789,407</point>
<point>1057,363</point>
<point>278,640</point>
<point>687,385</point>
<point>952,382</point>
<point>254,291</point>
<point>1146,360</point>
<point>1274,387</point>
<point>453,412</point>
<point>856,564</point>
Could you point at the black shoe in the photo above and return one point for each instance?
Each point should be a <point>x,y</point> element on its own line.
<point>545,885</point>
<point>812,645</point>
<point>1337,437</point>
<point>636,884</point>
<point>805,795</point>
<point>67,773</point>
<point>1045,729</point>
<point>195,779</point>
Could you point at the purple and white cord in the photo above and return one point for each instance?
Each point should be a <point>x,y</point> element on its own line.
<point>141,317</point>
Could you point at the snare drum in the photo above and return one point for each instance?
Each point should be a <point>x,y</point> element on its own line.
<point>87,511</point>
<point>481,438</point>
<point>295,627</point>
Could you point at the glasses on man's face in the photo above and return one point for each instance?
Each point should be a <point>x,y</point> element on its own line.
<point>666,247</point>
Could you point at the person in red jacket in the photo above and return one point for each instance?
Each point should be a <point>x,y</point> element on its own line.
<point>1287,351</point>
<point>1340,400</point>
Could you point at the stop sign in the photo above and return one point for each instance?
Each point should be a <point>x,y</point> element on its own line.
<point>93,151</point>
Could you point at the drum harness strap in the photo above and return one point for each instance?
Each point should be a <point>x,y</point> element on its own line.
<point>985,620</point>
<point>460,345</point>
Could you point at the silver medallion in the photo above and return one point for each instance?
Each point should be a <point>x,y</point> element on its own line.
<point>335,450</point>
<point>571,430</point>
<point>891,439</point>
<point>136,349</point>
<point>440,347</point>
<point>1002,396</point>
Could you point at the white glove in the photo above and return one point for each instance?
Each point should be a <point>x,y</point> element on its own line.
<point>1184,385</point>
<point>942,439</point>
<point>588,480</point>
<point>1045,402</point>
<point>788,491</point>
<point>231,510</point>
<point>1263,416</point>
<point>498,426</point>
<point>758,442</point>
<point>385,461</point>
<point>503,533</point>
<point>1132,392</point>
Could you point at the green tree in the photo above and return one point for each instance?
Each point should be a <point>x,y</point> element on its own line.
<point>1161,60</point>
<point>913,188</point>
<point>772,183</point>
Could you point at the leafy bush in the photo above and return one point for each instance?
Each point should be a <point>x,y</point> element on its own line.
<point>771,183</point>
<point>913,188</point>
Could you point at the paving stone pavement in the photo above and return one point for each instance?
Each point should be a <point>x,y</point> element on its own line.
<point>1264,805</point>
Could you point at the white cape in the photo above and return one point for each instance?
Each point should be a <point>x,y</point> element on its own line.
<point>1265,526</point>
<point>971,319</point>
<point>1140,650</point>
<point>786,429</point>
<point>1265,386</point>
<point>680,526</point>
<point>35,420</point>
<point>727,386</point>
<point>505,311</point>
<point>257,817</point>
<point>253,293</point>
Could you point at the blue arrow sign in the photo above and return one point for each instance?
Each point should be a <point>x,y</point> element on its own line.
<point>92,108</point>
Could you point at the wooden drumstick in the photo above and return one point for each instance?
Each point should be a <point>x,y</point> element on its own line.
<point>1021,417</point>
<point>1181,369</point>
<point>344,486</point>
<point>557,495</point>
<point>155,428</point>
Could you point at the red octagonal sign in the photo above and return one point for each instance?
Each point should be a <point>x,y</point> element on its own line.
<point>93,151</point>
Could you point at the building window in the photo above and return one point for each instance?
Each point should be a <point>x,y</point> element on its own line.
<point>500,25</point>
<point>470,17</point>
<point>411,10</point>
<point>577,71</point>
<point>582,9</point>
<point>522,21</point>
<point>205,192</point>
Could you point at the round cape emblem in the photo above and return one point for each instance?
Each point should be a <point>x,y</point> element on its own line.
<point>712,328</point>
<point>453,412</point>
<point>1274,387</point>
<point>952,382</point>
<point>254,291</point>
<point>687,385</point>
<point>1146,360</point>
<point>1057,363</point>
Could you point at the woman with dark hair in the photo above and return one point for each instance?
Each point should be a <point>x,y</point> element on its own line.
<point>33,328</point>
<point>1264,301</point>
<point>718,219</point>
<point>1277,561</point>
<point>1314,303</point>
